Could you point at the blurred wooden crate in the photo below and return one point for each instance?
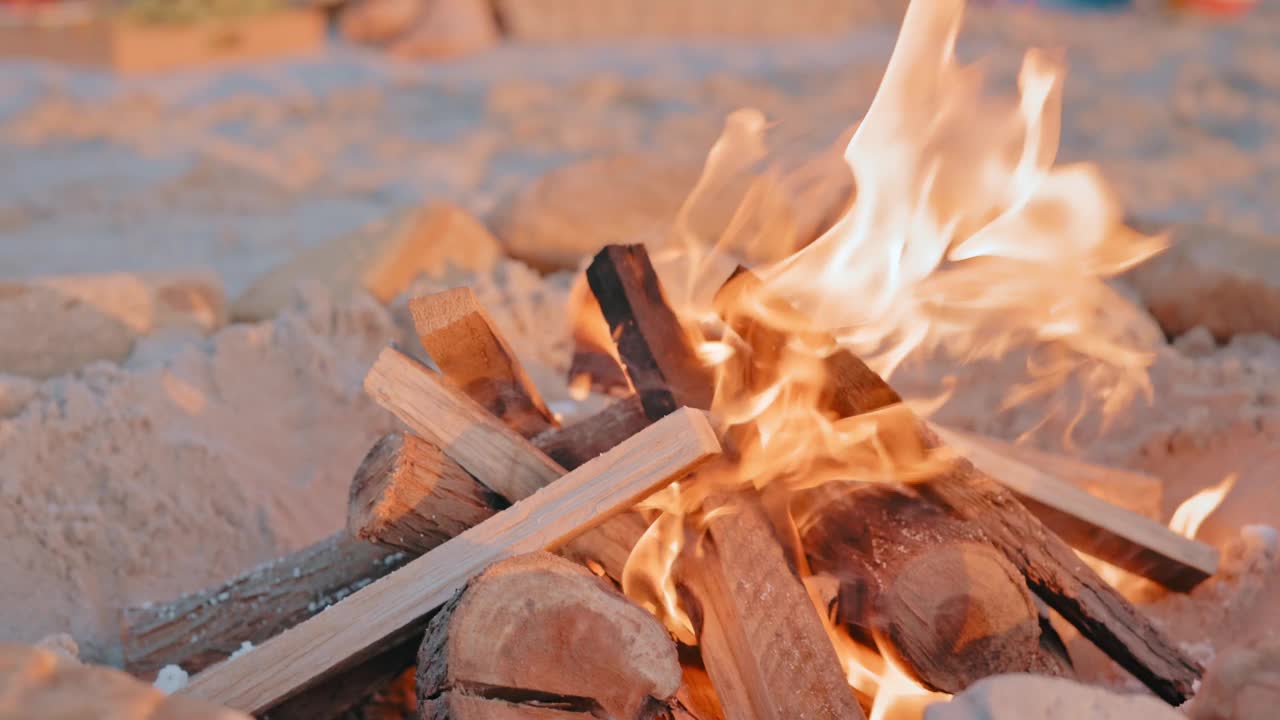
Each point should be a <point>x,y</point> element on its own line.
<point>130,46</point>
<point>552,20</point>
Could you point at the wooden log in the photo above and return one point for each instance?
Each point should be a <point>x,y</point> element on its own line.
<point>465,344</point>
<point>356,688</point>
<point>202,628</point>
<point>1134,491</point>
<point>924,587</point>
<point>1093,525</point>
<point>408,495</point>
<point>578,442</point>
<point>762,642</point>
<point>385,612</point>
<point>655,349</point>
<point>595,365</point>
<point>539,631</point>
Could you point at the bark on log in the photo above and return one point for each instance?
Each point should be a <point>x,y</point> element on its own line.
<point>577,443</point>
<point>465,344</point>
<point>925,587</point>
<point>408,495</point>
<point>202,628</point>
<point>539,632</point>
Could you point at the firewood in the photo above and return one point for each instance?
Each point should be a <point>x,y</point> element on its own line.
<point>408,495</point>
<point>202,628</point>
<point>387,611</point>
<point>578,442</point>
<point>355,688</point>
<point>465,344</point>
<point>1095,526</point>
<point>654,347</point>
<point>595,364</point>
<point>762,641</point>
<point>923,587</point>
<point>538,631</point>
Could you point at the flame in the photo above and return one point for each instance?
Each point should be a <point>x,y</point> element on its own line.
<point>963,238</point>
<point>1193,511</point>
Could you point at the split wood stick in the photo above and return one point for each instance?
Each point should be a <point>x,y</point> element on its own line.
<point>408,495</point>
<point>764,646</point>
<point>1093,525</point>
<point>202,628</point>
<point>924,587</point>
<point>1134,491</point>
<point>655,349</point>
<point>539,631</point>
<point>379,615</point>
<point>465,344</point>
<point>491,452</point>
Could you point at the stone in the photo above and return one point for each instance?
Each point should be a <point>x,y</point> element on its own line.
<point>1228,282</point>
<point>38,683</point>
<point>1037,697</point>
<point>437,240</point>
<point>54,325</point>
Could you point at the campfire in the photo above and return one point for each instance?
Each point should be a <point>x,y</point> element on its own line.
<point>759,526</point>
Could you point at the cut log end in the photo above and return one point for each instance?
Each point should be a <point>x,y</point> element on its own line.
<point>539,636</point>
<point>407,494</point>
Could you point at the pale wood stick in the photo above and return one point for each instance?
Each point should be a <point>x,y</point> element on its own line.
<point>397,606</point>
<point>199,629</point>
<point>465,344</point>
<point>763,644</point>
<point>1093,525</point>
<point>1133,491</point>
<point>443,414</point>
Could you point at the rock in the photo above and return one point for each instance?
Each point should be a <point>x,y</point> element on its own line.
<point>448,29</point>
<point>1036,697</point>
<point>1228,282</point>
<point>1241,684</point>
<point>54,325</point>
<point>38,684</point>
<point>436,240</point>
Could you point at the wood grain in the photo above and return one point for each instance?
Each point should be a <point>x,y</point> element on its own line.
<point>387,611</point>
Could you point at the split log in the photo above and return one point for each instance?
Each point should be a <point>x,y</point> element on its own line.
<point>465,344</point>
<point>577,443</point>
<point>1095,526</point>
<point>538,632</point>
<point>408,495</point>
<point>202,628</point>
<point>762,642</point>
<point>380,615</point>
<point>924,587</point>
<point>1134,491</point>
<point>655,349</point>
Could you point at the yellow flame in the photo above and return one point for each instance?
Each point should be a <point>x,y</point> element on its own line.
<point>962,238</point>
<point>1192,513</point>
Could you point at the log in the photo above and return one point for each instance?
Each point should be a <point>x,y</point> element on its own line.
<point>925,588</point>
<point>465,344</point>
<point>537,631</point>
<point>1134,491</point>
<point>762,642</point>
<point>408,495</point>
<point>655,349</point>
<point>202,628</point>
<point>578,442</point>
<point>595,365</point>
<point>380,615</point>
<point>1093,525</point>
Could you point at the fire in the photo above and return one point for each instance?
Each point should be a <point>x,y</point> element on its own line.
<point>963,238</point>
<point>1193,511</point>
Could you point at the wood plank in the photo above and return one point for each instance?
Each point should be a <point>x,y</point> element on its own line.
<point>382,613</point>
<point>655,349</point>
<point>763,644</point>
<point>1134,491</point>
<point>1093,525</point>
<point>479,442</point>
<point>202,628</point>
<point>465,344</point>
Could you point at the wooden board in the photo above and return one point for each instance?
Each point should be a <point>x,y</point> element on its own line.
<point>129,46</point>
<point>1093,525</point>
<point>398,605</point>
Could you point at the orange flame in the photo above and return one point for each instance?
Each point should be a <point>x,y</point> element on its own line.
<point>963,238</point>
<point>1193,511</point>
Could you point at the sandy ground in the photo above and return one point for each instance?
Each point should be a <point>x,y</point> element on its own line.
<point>201,457</point>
